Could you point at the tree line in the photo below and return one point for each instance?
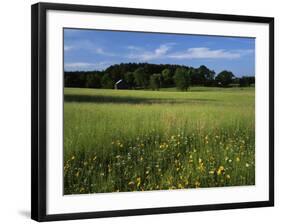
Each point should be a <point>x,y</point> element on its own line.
<point>154,76</point>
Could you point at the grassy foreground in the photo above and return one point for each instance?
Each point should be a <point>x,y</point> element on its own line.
<point>124,140</point>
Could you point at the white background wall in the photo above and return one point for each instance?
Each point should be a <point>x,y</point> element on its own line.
<point>15,109</point>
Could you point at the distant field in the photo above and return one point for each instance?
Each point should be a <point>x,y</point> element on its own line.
<point>129,140</point>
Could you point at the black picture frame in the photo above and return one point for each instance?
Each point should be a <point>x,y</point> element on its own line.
<point>38,108</point>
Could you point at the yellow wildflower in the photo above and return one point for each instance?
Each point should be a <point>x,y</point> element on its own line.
<point>197,184</point>
<point>138,181</point>
<point>180,185</point>
<point>220,170</point>
<point>131,183</point>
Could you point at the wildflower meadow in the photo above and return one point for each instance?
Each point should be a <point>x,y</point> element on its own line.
<point>140,140</point>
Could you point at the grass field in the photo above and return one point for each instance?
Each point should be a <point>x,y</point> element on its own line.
<point>125,140</point>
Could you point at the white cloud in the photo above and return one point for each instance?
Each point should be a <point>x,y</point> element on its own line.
<point>101,51</point>
<point>243,52</point>
<point>67,48</point>
<point>206,53</point>
<point>88,46</point>
<point>164,51</point>
<point>145,55</point>
<point>131,47</point>
<point>79,66</point>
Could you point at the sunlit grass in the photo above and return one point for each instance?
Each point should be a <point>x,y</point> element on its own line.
<point>123,140</point>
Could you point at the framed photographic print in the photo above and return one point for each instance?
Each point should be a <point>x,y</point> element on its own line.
<point>139,111</point>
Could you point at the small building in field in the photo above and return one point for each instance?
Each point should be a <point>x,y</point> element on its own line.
<point>121,84</point>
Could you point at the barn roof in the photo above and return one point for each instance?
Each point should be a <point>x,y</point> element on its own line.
<point>118,81</point>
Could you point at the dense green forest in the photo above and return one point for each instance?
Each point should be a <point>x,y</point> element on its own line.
<point>154,76</point>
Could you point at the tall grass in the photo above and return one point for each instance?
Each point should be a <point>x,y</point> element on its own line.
<point>124,140</point>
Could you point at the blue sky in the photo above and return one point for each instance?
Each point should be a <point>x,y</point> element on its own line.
<point>96,50</point>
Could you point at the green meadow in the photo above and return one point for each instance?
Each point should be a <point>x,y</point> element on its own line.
<point>139,140</point>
